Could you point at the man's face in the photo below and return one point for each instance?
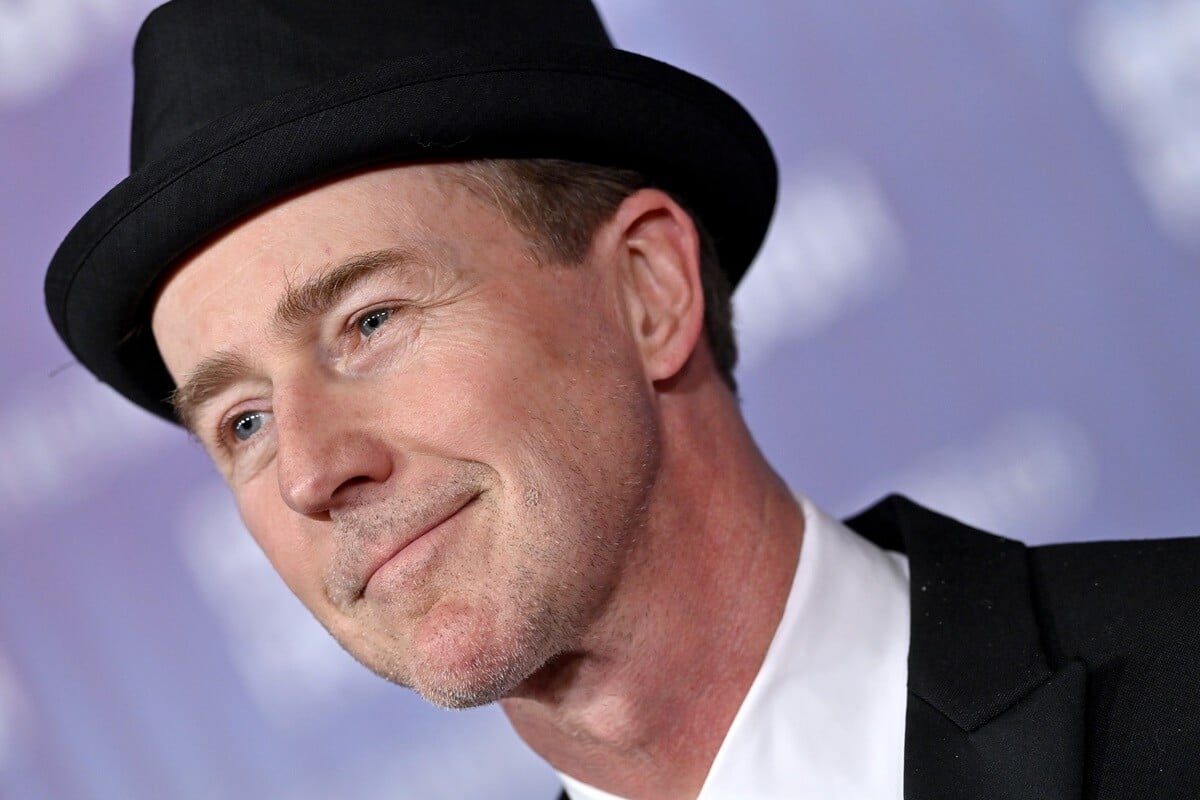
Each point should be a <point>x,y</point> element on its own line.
<point>443,447</point>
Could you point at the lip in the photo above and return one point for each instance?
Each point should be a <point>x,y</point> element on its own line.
<point>397,548</point>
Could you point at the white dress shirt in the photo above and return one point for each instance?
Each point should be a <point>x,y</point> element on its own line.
<point>825,715</point>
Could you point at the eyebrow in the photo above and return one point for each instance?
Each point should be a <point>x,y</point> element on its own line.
<point>320,293</point>
<point>205,382</point>
<point>298,306</point>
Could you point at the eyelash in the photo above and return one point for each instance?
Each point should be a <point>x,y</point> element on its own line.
<point>226,437</point>
<point>356,322</point>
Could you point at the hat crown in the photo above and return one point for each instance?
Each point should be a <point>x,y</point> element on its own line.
<point>196,61</point>
<point>239,103</point>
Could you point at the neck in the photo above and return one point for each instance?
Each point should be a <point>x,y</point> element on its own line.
<point>642,705</point>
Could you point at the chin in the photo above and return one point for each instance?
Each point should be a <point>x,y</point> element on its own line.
<point>459,691</point>
<point>464,663</point>
<point>483,678</point>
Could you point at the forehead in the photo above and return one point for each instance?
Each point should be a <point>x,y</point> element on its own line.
<point>328,222</point>
<point>223,287</point>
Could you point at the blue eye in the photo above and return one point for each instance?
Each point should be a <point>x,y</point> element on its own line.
<point>247,425</point>
<point>373,321</point>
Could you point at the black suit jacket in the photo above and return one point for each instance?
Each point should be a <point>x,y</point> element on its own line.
<point>1046,673</point>
<point>1064,671</point>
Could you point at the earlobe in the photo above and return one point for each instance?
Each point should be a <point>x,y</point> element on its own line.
<point>664,296</point>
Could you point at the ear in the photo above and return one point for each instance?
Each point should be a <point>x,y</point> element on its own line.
<point>660,255</point>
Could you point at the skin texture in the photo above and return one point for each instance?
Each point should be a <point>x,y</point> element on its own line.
<point>492,478</point>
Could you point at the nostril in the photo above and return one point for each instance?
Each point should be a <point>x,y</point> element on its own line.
<point>351,483</point>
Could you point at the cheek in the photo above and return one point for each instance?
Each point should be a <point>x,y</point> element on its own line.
<point>551,396</point>
<point>280,534</point>
<point>465,387</point>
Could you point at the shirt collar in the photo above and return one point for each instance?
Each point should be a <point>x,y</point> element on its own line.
<point>825,715</point>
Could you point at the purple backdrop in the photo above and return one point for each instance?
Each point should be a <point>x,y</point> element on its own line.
<point>980,289</point>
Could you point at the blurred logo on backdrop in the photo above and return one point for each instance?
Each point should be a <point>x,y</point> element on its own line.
<point>291,667</point>
<point>66,438</point>
<point>43,42</point>
<point>834,244</point>
<point>12,714</point>
<point>1029,475</point>
<point>1142,62</point>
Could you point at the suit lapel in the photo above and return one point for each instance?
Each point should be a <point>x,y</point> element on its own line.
<point>988,716</point>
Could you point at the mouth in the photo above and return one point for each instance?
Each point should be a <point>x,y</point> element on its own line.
<point>404,548</point>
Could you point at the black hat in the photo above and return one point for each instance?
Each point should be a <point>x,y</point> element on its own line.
<point>240,102</point>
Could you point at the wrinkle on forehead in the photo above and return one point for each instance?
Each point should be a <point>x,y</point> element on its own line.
<point>403,201</point>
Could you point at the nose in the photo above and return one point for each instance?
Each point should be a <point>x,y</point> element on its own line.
<point>326,452</point>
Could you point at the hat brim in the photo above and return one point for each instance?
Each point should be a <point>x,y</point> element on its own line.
<point>575,102</point>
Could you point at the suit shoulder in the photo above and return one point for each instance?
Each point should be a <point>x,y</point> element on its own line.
<point>1146,570</point>
<point>1120,589</point>
<point>1131,557</point>
<point>1128,606</point>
